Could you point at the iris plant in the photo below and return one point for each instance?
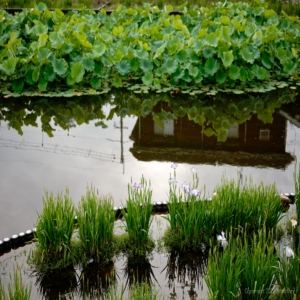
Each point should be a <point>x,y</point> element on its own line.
<point>173,180</point>
<point>138,186</point>
<point>221,238</point>
<point>174,166</point>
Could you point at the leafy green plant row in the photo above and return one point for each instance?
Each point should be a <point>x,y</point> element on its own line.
<point>194,221</point>
<point>253,269</point>
<point>56,237</point>
<point>229,46</point>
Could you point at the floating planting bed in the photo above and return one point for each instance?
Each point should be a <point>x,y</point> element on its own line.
<point>230,47</point>
<point>238,230</point>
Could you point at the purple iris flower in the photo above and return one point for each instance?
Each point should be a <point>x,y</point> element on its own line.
<point>221,238</point>
<point>174,166</point>
<point>185,185</point>
<point>195,193</point>
<point>138,186</point>
<point>194,170</point>
<point>172,180</point>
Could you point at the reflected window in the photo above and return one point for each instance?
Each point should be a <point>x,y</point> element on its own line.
<point>167,130</point>
<point>264,134</point>
<point>233,132</point>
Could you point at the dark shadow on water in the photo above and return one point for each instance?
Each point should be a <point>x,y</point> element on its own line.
<point>133,273</point>
<point>57,284</point>
<point>95,280</point>
<point>186,270</point>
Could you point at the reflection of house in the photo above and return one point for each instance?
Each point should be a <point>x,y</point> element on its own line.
<point>251,143</point>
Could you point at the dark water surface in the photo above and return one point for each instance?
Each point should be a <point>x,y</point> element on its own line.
<point>51,143</point>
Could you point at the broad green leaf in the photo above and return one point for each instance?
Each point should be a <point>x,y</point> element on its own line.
<point>193,71</point>
<point>266,60</point>
<point>142,53</point>
<point>209,132</point>
<point>224,20</point>
<point>146,65</point>
<point>35,74</point>
<point>117,82</point>
<point>99,50</point>
<point>89,64</point>
<point>96,83</point>
<point>42,86</point>
<point>225,33</point>
<point>243,75</point>
<point>220,77</point>
<point>39,29</point>
<point>227,58</point>
<point>77,72</point>
<point>18,85</point>
<point>281,54</point>
<point>247,55</point>
<point>170,65</point>
<point>43,53</point>
<point>118,30</point>
<point>59,66</point>
<point>182,56</point>
<point>209,112</point>
<point>41,7</point>
<point>148,78</point>
<point>123,67</point>
<point>249,30</point>
<point>212,39</point>
<point>290,67</point>
<point>234,72</point>
<point>9,65</point>
<point>49,73</point>
<point>222,136</point>
<point>211,66</point>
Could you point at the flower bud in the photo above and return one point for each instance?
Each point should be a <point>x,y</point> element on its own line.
<point>32,9</point>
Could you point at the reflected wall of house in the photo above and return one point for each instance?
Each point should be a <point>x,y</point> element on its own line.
<point>252,136</point>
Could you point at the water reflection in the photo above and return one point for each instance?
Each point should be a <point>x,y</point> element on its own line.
<point>95,280</point>
<point>186,270</point>
<point>138,273</point>
<point>56,284</point>
<point>224,129</point>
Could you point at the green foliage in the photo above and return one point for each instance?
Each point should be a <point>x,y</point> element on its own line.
<point>96,217</point>
<point>245,269</point>
<point>17,290</point>
<point>210,47</point>
<point>138,215</point>
<point>55,225</point>
<point>193,221</point>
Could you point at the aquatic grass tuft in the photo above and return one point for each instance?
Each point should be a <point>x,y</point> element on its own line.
<point>259,264</point>
<point>55,225</point>
<point>17,290</point>
<point>137,216</point>
<point>96,217</point>
<point>194,221</point>
<point>288,276</point>
<point>223,272</point>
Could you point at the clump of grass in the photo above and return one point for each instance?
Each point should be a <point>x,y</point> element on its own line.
<point>193,221</point>
<point>288,276</point>
<point>187,216</point>
<point>55,226</point>
<point>223,272</point>
<point>245,269</point>
<point>71,256</point>
<point>258,266</point>
<point>138,217</point>
<point>96,218</point>
<point>252,206</point>
<point>17,290</point>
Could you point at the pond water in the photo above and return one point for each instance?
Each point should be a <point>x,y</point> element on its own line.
<point>109,139</point>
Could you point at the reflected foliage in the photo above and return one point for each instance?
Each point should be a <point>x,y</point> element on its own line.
<point>216,114</point>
